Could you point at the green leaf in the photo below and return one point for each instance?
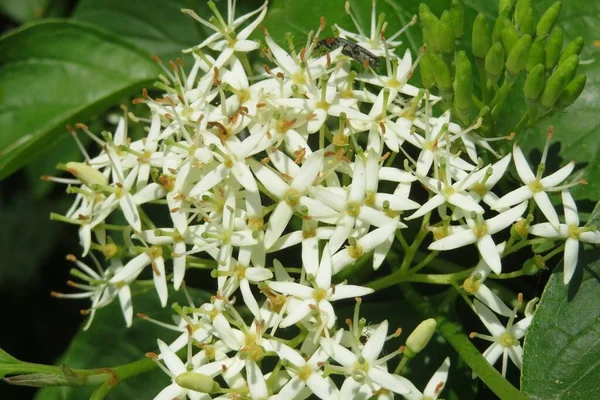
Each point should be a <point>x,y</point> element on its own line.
<point>578,128</point>
<point>6,362</point>
<point>561,349</point>
<point>56,72</point>
<point>156,26</point>
<point>23,10</point>
<point>108,343</point>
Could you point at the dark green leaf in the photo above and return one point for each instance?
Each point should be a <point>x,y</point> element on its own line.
<point>562,350</point>
<point>57,72</point>
<point>108,343</point>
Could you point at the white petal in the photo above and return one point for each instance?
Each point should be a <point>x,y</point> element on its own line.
<point>571,215</point>
<point>178,264</point>
<point>545,229</point>
<point>438,380</point>
<point>545,205</point>
<point>308,172</point>
<point>430,205</point>
<point>173,391</point>
<point>277,222</point>
<point>491,299</point>
<point>522,166</point>
<point>310,255</point>
<point>395,383</point>
<point>571,256</point>
<point>130,212</point>
<point>374,345</point>
<point>171,360</point>
<point>489,319</point>
<point>323,278</point>
<point>341,233</point>
<point>350,291</point>
<point>160,280</point>
<point>256,381</point>
<point>296,314</point>
<point>126,304</point>
<point>455,240</point>
<point>269,179</point>
<point>209,181</point>
<point>556,178</point>
<point>516,196</point>
<point>465,202</point>
<point>133,267</point>
<point>505,219</point>
<point>291,288</point>
<point>487,249</point>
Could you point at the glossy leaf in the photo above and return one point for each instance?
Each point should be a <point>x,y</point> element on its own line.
<point>561,349</point>
<point>56,72</point>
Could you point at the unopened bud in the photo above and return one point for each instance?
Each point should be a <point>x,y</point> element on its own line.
<point>426,68</point>
<point>494,61</point>
<point>431,26</point>
<point>196,382</point>
<point>446,33</point>
<point>559,80</point>
<point>548,19</point>
<point>527,25</point>
<point>520,229</point>
<point>509,35</point>
<point>419,338</point>
<point>481,41</point>
<point>441,72</point>
<point>505,16</point>
<point>522,9</point>
<point>457,12</point>
<point>553,48</point>
<point>86,174</point>
<point>534,84</point>
<point>571,92</point>
<point>574,47</point>
<point>463,83</point>
<point>503,4</point>
<point>536,54</point>
<point>534,265</point>
<point>517,57</point>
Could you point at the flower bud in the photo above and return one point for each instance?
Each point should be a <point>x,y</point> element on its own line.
<point>419,338</point>
<point>553,48</point>
<point>521,10</point>
<point>520,229</point>
<point>463,83</point>
<point>517,57</point>
<point>494,61</point>
<point>426,68</point>
<point>457,12</point>
<point>196,382</point>
<point>446,33</point>
<point>527,25</point>
<point>533,265</point>
<point>574,47</point>
<point>431,25</point>
<point>548,19</point>
<point>86,174</point>
<point>558,81</point>
<point>534,84</point>
<point>502,4</point>
<point>509,35</point>
<point>571,92</point>
<point>441,72</point>
<point>506,15</point>
<point>481,40</point>
<point>536,54</point>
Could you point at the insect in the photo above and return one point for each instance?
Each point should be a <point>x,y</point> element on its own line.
<point>350,49</point>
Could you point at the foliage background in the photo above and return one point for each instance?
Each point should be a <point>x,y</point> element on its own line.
<point>106,45</point>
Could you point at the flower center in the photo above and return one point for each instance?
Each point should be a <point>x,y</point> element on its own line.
<point>508,340</point>
<point>369,198</point>
<point>355,251</point>
<point>353,208</point>
<point>243,96</point>
<point>319,294</point>
<point>479,188</point>
<point>536,186</point>
<point>292,197</point>
<point>239,271</point>
<point>480,230</point>
<point>574,232</point>
<point>471,285</point>
<point>304,373</point>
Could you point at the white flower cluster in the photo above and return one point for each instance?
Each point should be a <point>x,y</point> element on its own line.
<point>300,155</point>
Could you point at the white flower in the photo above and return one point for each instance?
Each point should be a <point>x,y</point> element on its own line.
<point>480,232</point>
<point>535,185</point>
<point>505,340</point>
<point>317,298</point>
<point>569,231</point>
<point>363,367</point>
<point>434,387</point>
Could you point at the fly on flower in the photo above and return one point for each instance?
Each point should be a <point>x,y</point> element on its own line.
<point>350,49</point>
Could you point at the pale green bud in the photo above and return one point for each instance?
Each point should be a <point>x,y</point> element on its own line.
<point>195,381</point>
<point>574,47</point>
<point>481,40</point>
<point>494,61</point>
<point>509,35</point>
<point>457,12</point>
<point>463,83</point>
<point>571,92</point>
<point>517,58</point>
<point>86,174</point>
<point>426,68</point>
<point>446,33</point>
<point>534,84</point>
<point>548,19</point>
<point>441,72</point>
<point>553,47</point>
<point>420,337</point>
<point>536,54</point>
<point>431,26</point>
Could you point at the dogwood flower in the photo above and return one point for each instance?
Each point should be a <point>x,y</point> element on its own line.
<point>571,232</point>
<point>434,387</point>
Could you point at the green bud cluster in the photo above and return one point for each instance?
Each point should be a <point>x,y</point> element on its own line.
<point>502,51</point>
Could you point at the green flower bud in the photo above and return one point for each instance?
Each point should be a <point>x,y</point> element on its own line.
<point>431,26</point>
<point>446,33</point>
<point>502,4</point>
<point>457,12</point>
<point>536,54</point>
<point>506,15</point>
<point>419,338</point>
<point>494,61</point>
<point>521,10</point>
<point>426,68</point>
<point>553,47</point>
<point>534,84</point>
<point>196,382</point>
<point>574,47</point>
<point>517,58</point>
<point>571,92</point>
<point>463,83</point>
<point>441,72</point>
<point>509,35</point>
<point>527,25</point>
<point>481,40</point>
<point>534,265</point>
<point>558,81</point>
<point>548,19</point>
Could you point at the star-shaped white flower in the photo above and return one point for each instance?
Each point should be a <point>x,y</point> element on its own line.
<point>480,232</point>
<point>570,231</point>
<point>434,387</point>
